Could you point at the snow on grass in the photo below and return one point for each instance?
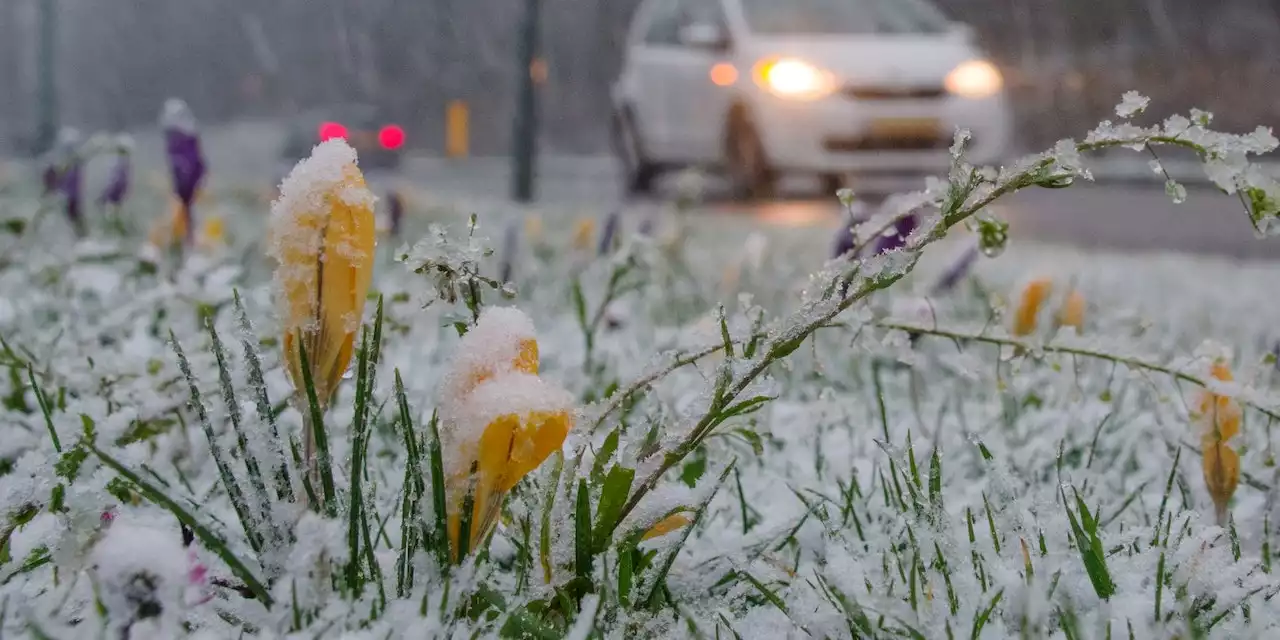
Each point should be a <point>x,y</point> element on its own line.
<point>913,468</point>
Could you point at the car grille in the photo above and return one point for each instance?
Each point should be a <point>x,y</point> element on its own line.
<point>895,93</point>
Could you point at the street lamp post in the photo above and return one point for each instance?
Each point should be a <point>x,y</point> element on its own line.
<point>525,134</point>
<point>47,90</point>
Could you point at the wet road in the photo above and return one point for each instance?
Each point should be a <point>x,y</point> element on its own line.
<point>1117,216</point>
<point>1128,217</point>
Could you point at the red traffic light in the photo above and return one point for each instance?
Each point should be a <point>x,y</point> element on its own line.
<point>391,137</point>
<point>330,130</point>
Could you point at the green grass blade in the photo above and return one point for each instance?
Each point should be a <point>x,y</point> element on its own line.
<point>660,577</point>
<point>215,449</point>
<point>582,534</point>
<point>438,500</point>
<point>266,413</point>
<point>263,515</point>
<point>208,538</point>
<point>45,408</point>
<point>315,422</point>
<point>355,496</point>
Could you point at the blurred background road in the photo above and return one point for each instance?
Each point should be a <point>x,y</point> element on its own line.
<point>247,67</point>
<point>1126,210</point>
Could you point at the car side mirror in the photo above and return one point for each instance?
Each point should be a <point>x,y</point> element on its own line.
<point>704,35</point>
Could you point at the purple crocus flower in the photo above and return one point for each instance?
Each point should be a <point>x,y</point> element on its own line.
<point>118,183</point>
<point>958,270</point>
<point>844,240</point>
<point>609,233</point>
<point>50,177</point>
<point>395,209</point>
<point>186,162</point>
<point>896,236</point>
<point>70,188</point>
<point>509,246</point>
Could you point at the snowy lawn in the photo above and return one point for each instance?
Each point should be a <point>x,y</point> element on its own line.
<point>653,429</point>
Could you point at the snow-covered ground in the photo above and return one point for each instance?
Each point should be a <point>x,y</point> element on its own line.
<point>975,480</point>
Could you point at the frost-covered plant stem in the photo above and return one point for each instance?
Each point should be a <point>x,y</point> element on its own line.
<point>962,199</point>
<point>1128,361</point>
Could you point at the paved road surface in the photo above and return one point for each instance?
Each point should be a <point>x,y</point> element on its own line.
<point>1115,216</point>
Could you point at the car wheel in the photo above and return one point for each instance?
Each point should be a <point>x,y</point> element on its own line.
<point>638,173</point>
<point>750,175</point>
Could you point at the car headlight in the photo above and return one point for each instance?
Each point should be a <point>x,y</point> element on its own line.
<point>974,79</point>
<point>794,78</point>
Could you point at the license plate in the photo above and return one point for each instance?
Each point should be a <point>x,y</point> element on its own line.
<point>912,128</point>
<point>362,140</point>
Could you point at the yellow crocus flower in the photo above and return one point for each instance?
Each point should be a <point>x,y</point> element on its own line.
<point>1217,418</point>
<point>1032,298</point>
<point>533,228</point>
<point>322,237</point>
<point>501,421</point>
<point>1221,466</point>
<point>584,233</point>
<point>212,233</point>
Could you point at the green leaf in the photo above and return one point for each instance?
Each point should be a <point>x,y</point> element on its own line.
<point>438,494</point>
<point>605,453</point>
<point>45,408</point>
<point>582,534</point>
<point>262,403</point>
<point>315,422</point>
<point>613,495</point>
<point>935,479</point>
<point>264,509</point>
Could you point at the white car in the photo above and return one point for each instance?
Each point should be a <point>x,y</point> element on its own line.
<point>827,87</point>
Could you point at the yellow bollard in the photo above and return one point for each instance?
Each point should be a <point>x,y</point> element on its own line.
<point>456,143</point>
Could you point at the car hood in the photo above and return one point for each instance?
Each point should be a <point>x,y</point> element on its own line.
<point>876,60</point>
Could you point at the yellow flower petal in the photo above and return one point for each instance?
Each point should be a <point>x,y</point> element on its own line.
<point>1217,416</point>
<point>323,238</point>
<point>667,525</point>
<point>584,233</point>
<point>1221,475</point>
<point>1072,312</point>
<point>510,448</point>
<point>1034,295</point>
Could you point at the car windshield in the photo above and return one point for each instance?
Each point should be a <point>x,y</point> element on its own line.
<point>843,16</point>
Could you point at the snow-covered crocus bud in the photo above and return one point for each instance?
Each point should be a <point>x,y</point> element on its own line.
<point>501,421</point>
<point>1033,296</point>
<point>1216,419</point>
<point>186,161</point>
<point>609,236</point>
<point>142,574</point>
<point>322,236</point>
<point>395,211</point>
